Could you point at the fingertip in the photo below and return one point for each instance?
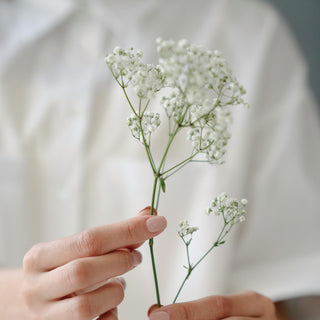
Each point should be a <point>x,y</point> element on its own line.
<point>159,315</point>
<point>156,224</point>
<point>122,282</point>
<point>152,308</point>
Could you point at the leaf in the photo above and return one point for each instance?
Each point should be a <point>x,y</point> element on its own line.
<point>163,185</point>
<point>222,242</point>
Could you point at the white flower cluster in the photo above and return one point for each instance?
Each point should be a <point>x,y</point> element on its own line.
<point>126,67</point>
<point>231,209</point>
<point>201,90</point>
<point>203,87</point>
<point>212,137</point>
<point>174,105</point>
<point>149,123</point>
<point>197,71</point>
<point>185,229</point>
<point>123,62</point>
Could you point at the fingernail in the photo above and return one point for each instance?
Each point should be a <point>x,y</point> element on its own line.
<point>144,209</point>
<point>160,315</point>
<point>137,258</point>
<point>122,282</point>
<point>156,224</point>
<point>147,210</point>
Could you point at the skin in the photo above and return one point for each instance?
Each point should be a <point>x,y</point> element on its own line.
<point>77,277</point>
<point>243,306</point>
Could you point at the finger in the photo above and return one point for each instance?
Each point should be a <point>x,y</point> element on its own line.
<point>144,212</point>
<point>247,304</point>
<point>110,315</point>
<point>90,305</point>
<point>84,273</point>
<point>93,242</point>
<point>152,308</point>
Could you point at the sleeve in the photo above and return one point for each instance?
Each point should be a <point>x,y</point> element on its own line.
<point>278,251</point>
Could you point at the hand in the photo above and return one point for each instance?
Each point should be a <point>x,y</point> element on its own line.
<point>74,277</point>
<point>243,306</point>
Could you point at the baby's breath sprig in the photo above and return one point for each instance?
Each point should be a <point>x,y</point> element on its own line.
<point>200,90</point>
<point>232,212</point>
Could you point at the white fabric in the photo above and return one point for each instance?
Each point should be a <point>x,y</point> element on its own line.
<point>68,161</point>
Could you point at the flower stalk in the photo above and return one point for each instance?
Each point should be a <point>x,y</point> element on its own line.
<point>200,91</point>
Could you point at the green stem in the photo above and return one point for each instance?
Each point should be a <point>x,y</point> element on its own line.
<point>130,104</point>
<point>151,241</point>
<point>145,108</point>
<point>180,163</point>
<point>182,285</point>
<point>220,237</point>
<point>168,146</point>
<point>143,137</point>
<point>158,198</point>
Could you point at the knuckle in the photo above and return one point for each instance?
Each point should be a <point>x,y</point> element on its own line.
<point>223,306</point>
<point>129,231</point>
<point>28,294</point>
<point>184,312</point>
<point>78,273</point>
<point>268,305</point>
<point>82,309</point>
<point>87,243</point>
<point>254,296</point>
<point>31,258</point>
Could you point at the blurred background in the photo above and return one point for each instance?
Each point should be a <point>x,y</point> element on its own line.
<point>303,18</point>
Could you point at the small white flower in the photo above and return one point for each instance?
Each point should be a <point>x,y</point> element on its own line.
<point>244,202</point>
<point>149,123</point>
<point>185,230</point>
<point>211,137</point>
<point>231,209</point>
<point>126,66</point>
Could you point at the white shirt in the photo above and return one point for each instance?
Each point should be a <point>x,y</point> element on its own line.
<point>68,161</point>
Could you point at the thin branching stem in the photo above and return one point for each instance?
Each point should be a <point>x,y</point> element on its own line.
<point>191,266</point>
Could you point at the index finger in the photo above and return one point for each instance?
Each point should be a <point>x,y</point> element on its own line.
<point>93,242</point>
<point>144,212</point>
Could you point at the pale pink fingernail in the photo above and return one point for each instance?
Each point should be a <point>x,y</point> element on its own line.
<point>156,224</point>
<point>137,258</point>
<point>160,315</point>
